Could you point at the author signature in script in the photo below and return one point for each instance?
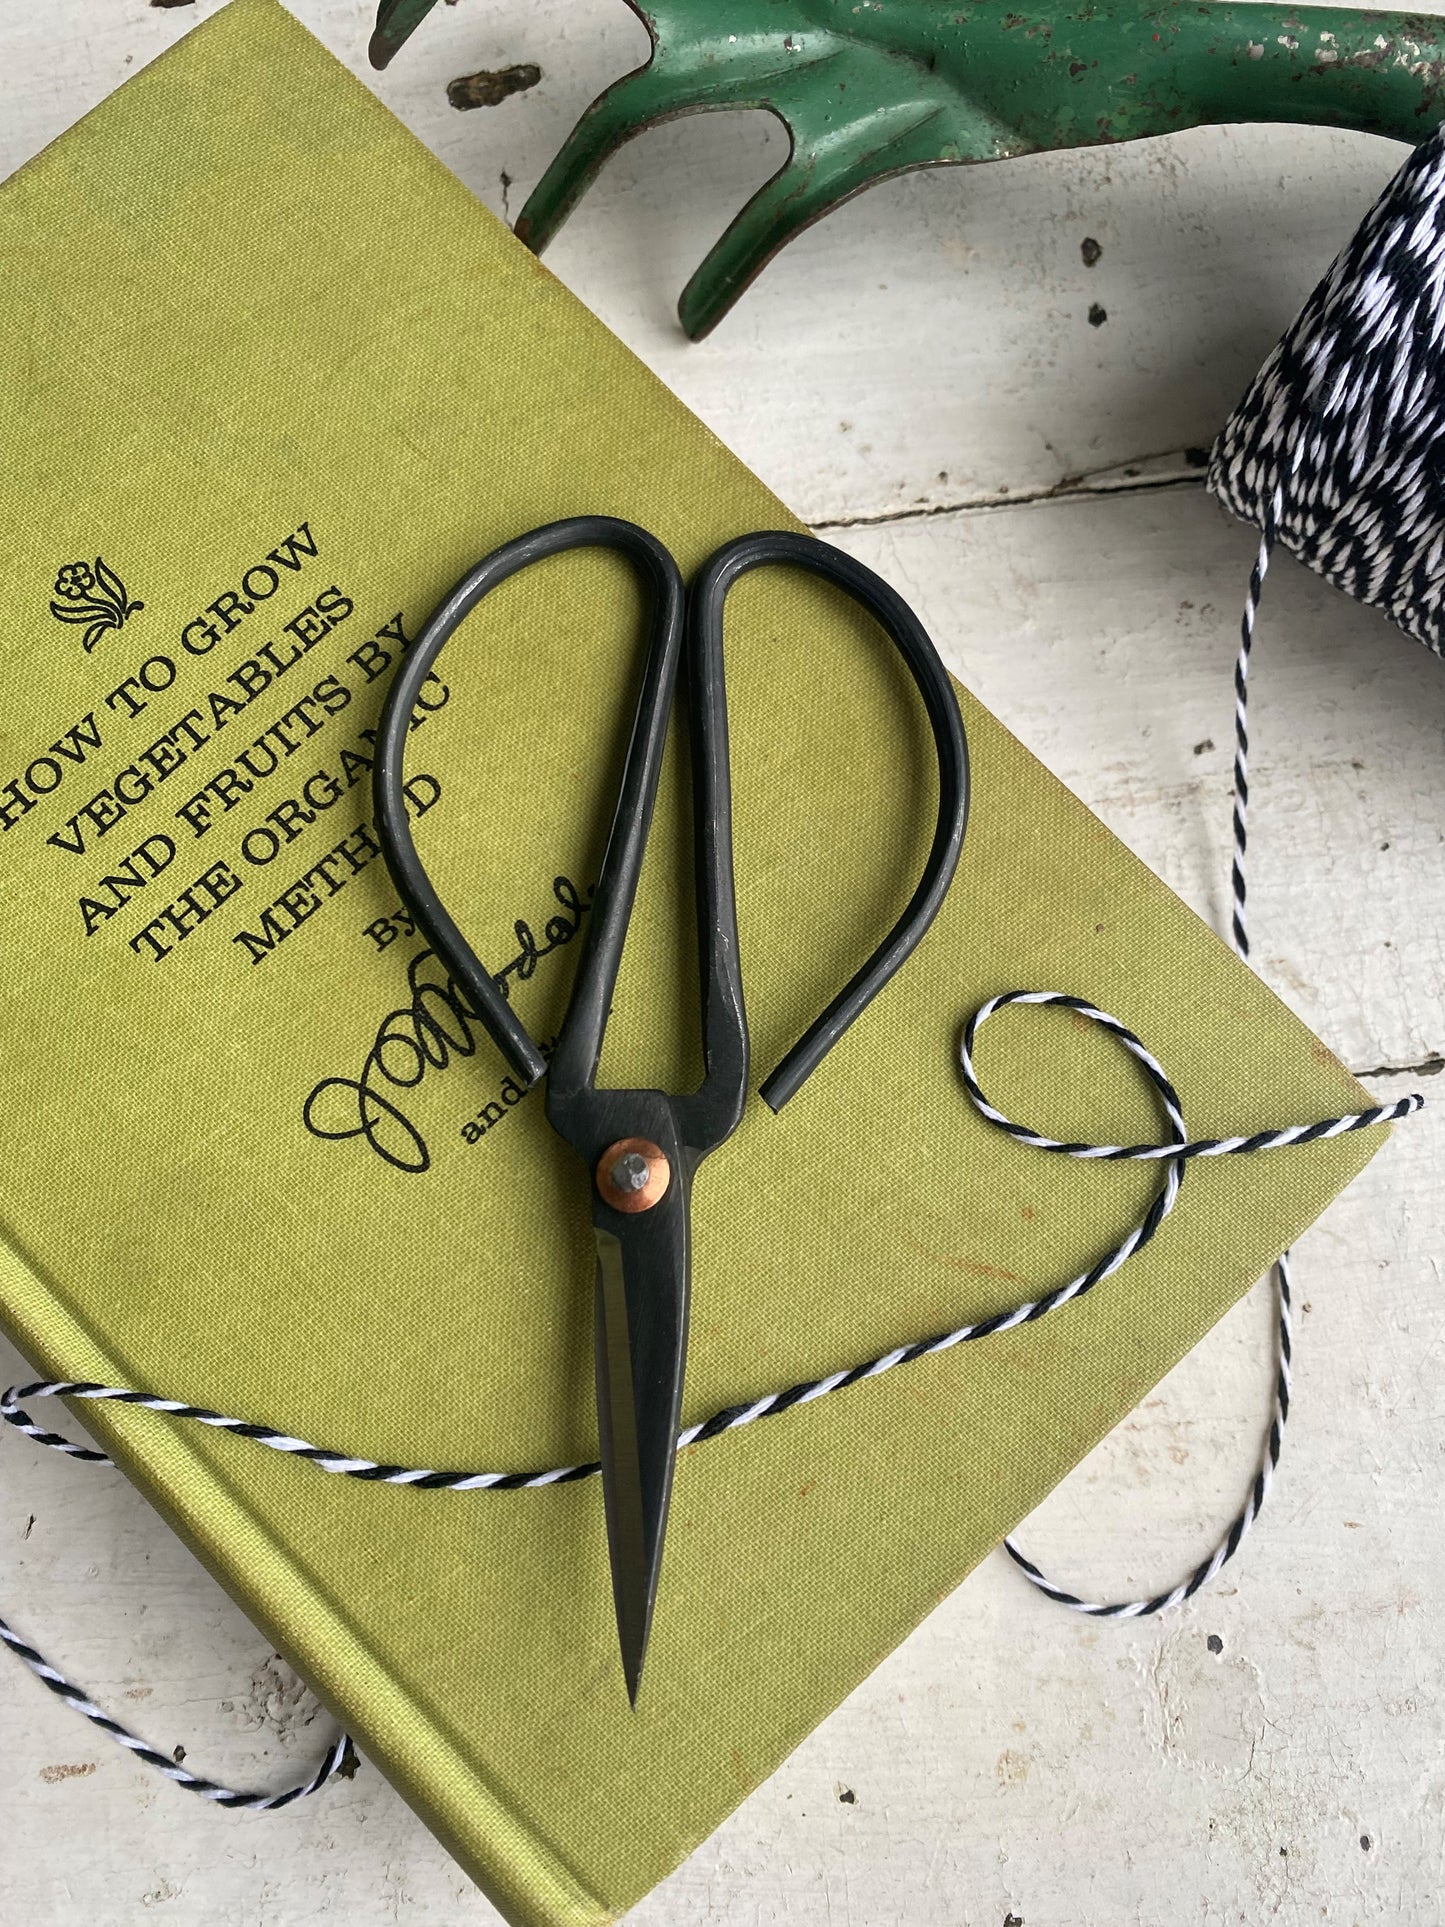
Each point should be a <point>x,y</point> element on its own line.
<point>425,1034</point>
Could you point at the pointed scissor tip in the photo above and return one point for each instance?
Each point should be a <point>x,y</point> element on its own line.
<point>632,1596</point>
<point>632,1663</point>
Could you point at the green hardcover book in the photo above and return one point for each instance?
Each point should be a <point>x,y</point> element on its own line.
<point>255,1158</point>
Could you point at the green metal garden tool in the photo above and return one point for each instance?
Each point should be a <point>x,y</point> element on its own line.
<point>870,88</point>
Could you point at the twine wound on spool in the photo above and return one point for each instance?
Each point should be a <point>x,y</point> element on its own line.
<point>1338,449</point>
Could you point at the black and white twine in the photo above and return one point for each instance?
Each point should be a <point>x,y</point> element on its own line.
<point>1338,448</point>
<point>1337,451</point>
<point>1174,1154</point>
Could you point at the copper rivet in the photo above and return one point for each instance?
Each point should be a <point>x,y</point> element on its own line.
<point>633,1175</point>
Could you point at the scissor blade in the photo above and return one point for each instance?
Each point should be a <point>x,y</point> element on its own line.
<point>641,1346</point>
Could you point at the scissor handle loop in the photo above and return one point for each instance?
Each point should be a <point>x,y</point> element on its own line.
<point>925,666</point>
<point>409,874</point>
<point>576,1058</point>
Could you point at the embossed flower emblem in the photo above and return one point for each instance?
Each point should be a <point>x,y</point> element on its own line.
<point>74,581</point>
<point>95,596</point>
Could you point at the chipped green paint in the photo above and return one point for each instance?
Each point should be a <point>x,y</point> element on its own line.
<point>870,88</point>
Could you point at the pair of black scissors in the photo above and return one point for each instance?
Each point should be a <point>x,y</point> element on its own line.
<point>643,1148</point>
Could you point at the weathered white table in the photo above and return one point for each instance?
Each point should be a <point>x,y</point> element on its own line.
<point>919,377</point>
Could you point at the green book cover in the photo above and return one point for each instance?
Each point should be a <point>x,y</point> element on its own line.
<point>275,380</point>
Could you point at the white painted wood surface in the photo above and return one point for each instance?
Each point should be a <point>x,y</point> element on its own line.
<point>1273,1751</point>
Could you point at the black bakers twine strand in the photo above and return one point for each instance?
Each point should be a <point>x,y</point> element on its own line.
<point>1249,1512</point>
<point>1243,1519</point>
<point>1337,451</point>
<point>339,1756</point>
<point>1178,1152</point>
<point>1174,1154</point>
